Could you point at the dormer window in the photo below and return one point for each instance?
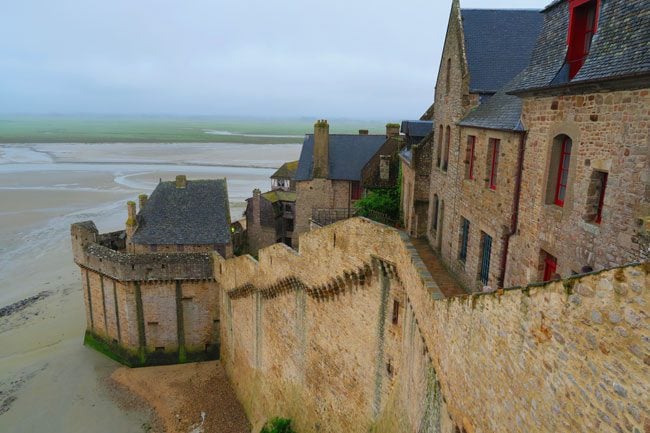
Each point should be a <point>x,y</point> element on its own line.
<point>583,22</point>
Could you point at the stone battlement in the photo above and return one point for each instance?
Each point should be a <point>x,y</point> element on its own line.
<point>105,254</point>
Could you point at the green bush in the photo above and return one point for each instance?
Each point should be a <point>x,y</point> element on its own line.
<point>278,425</point>
<point>382,205</point>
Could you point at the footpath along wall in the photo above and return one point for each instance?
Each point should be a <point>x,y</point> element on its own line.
<point>351,334</point>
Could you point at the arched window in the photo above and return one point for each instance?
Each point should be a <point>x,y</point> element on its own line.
<point>445,161</point>
<point>558,173</point>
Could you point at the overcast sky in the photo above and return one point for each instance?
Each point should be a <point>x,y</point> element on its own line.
<point>336,58</point>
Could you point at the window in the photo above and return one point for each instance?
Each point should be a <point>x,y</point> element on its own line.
<point>493,162</point>
<point>436,206</point>
<point>395,312</point>
<point>439,152</point>
<point>448,77</point>
<point>464,237</point>
<point>445,161</point>
<point>486,251</point>
<point>469,157</point>
<point>356,190</point>
<point>596,197</point>
<point>550,267</point>
<point>288,224</point>
<point>563,171</point>
<point>583,22</point>
<point>153,248</point>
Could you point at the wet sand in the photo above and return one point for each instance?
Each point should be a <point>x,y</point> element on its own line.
<point>193,398</point>
<point>50,382</point>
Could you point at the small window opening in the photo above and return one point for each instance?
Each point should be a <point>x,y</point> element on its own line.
<point>464,238</point>
<point>160,349</point>
<point>152,323</point>
<point>486,252</point>
<point>445,162</point>
<point>356,190</point>
<point>493,162</point>
<point>448,77</point>
<point>439,152</point>
<point>563,171</point>
<point>389,368</point>
<point>596,197</point>
<point>395,312</point>
<point>550,267</point>
<point>469,157</point>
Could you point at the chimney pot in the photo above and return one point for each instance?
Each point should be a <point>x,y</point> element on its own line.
<point>131,220</point>
<point>143,200</point>
<point>392,129</point>
<point>181,181</point>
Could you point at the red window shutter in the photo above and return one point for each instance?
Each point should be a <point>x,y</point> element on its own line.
<point>495,163</point>
<point>550,267</point>
<point>601,200</point>
<point>356,190</point>
<point>563,172</point>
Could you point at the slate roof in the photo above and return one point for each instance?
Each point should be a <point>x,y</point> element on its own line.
<point>348,154</point>
<point>286,171</point>
<point>195,215</point>
<point>416,128</point>
<point>275,196</point>
<point>501,111</point>
<point>621,45</point>
<point>498,43</point>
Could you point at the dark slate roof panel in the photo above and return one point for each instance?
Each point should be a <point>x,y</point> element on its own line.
<point>348,154</point>
<point>286,171</point>
<point>195,215</point>
<point>501,111</point>
<point>498,44</point>
<point>416,128</point>
<point>621,45</point>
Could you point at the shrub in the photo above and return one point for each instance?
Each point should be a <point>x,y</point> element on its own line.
<point>277,425</point>
<point>382,205</point>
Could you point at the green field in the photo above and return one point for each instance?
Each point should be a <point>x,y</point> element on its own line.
<point>55,129</point>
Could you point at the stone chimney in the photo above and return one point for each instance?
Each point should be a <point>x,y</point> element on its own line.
<point>363,132</point>
<point>131,223</point>
<point>181,181</point>
<point>321,149</point>
<point>392,129</point>
<point>257,197</point>
<point>142,198</point>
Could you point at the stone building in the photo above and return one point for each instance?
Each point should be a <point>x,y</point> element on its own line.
<point>585,196</point>
<point>415,159</point>
<point>477,136</point>
<point>270,216</point>
<point>150,292</point>
<point>329,174</point>
<point>526,177</point>
<point>192,216</point>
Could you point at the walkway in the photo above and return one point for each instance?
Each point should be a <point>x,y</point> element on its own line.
<point>446,282</point>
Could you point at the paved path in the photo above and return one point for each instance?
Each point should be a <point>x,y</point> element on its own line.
<point>445,281</point>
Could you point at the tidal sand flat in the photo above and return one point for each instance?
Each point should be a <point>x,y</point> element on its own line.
<point>49,381</point>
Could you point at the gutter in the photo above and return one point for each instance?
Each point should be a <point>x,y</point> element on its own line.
<point>514,221</point>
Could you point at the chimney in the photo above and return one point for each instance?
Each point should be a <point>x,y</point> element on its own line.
<point>143,200</point>
<point>363,132</point>
<point>392,129</point>
<point>181,181</point>
<point>321,149</point>
<point>131,221</point>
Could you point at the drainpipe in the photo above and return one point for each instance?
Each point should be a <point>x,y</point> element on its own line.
<point>514,221</point>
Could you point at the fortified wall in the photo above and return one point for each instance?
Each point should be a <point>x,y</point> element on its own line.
<point>144,309</point>
<point>351,334</point>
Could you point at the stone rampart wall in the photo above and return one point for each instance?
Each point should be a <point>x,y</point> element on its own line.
<point>312,335</point>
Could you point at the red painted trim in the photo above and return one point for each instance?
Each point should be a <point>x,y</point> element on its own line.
<point>550,267</point>
<point>495,162</point>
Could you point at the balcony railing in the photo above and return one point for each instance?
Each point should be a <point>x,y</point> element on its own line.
<point>324,217</point>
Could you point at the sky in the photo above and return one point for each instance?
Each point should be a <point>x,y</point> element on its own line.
<point>359,59</point>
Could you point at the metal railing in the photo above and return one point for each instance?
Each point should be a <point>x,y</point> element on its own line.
<point>324,217</point>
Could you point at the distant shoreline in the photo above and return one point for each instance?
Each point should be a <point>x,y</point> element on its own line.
<point>52,130</point>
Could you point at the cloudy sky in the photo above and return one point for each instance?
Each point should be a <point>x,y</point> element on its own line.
<point>336,58</point>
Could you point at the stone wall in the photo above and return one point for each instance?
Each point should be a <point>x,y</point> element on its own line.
<point>415,187</point>
<point>610,134</point>
<point>311,335</point>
